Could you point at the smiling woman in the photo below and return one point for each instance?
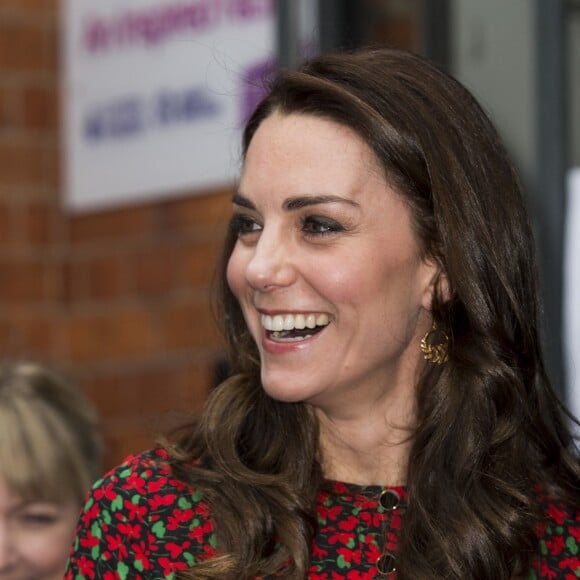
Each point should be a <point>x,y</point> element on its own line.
<point>388,414</point>
<point>50,453</point>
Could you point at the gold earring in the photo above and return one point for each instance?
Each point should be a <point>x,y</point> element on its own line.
<point>435,352</point>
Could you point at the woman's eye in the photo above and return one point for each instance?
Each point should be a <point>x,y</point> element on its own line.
<point>242,225</point>
<point>320,226</point>
<point>37,519</point>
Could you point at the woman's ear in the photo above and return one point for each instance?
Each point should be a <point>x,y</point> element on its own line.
<point>438,286</point>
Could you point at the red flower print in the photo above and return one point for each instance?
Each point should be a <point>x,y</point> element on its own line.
<point>178,517</point>
<point>117,544</point>
<point>134,512</point>
<point>330,514</point>
<point>106,492</point>
<point>136,483</point>
<point>86,567</point>
<point>90,541</point>
<point>175,550</point>
<point>158,501</point>
<point>572,563</point>
<point>170,566</point>
<point>348,524</point>
<point>556,514</point>
<point>545,571</point>
<point>130,531</point>
<point>555,546</point>
<point>157,486</point>
<point>89,515</point>
<point>341,538</point>
<point>142,554</point>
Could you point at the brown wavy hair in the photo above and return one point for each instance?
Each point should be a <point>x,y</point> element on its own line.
<point>489,426</point>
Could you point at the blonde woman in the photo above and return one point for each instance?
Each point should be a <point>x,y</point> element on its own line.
<point>50,452</point>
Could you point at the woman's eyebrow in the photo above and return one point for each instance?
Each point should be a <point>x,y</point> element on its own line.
<point>242,201</point>
<point>298,202</point>
<point>293,203</point>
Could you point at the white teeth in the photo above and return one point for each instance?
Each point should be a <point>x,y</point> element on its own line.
<point>322,320</point>
<point>281,322</point>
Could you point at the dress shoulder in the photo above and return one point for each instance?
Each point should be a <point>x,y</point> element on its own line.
<point>139,522</point>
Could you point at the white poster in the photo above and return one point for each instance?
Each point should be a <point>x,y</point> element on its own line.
<point>155,93</point>
<point>572,292</point>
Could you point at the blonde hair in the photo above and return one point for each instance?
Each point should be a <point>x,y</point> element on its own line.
<point>50,444</point>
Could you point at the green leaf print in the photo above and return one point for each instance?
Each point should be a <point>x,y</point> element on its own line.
<point>123,571</point>
<point>342,563</point>
<point>96,530</point>
<point>183,503</point>
<point>572,545</point>
<point>117,504</point>
<point>158,529</point>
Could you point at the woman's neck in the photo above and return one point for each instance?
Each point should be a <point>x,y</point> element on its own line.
<point>367,446</point>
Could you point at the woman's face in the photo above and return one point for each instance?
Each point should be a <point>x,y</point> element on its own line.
<point>35,537</point>
<point>325,242</point>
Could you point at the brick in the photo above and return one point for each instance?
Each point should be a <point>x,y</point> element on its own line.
<point>7,336</point>
<point>129,223</point>
<point>198,262</point>
<point>22,164</point>
<point>34,8</point>
<point>39,108</point>
<point>25,47</point>
<point>23,280</point>
<point>107,276</point>
<point>189,325</point>
<point>212,210</point>
<point>30,336</point>
<point>144,393</point>
<point>39,336</point>
<point>6,222</point>
<point>37,223</point>
<point>95,279</point>
<point>125,442</point>
<point>111,336</point>
<point>154,270</point>
<point>71,282</point>
<point>5,102</point>
<point>196,379</point>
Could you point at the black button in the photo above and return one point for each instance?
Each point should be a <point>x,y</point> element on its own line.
<point>386,564</point>
<point>389,499</point>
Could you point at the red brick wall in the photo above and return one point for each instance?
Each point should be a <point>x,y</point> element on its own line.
<point>118,299</point>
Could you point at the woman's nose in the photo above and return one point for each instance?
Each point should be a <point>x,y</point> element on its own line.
<point>271,263</point>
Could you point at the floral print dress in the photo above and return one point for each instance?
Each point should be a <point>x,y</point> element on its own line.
<point>141,523</point>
